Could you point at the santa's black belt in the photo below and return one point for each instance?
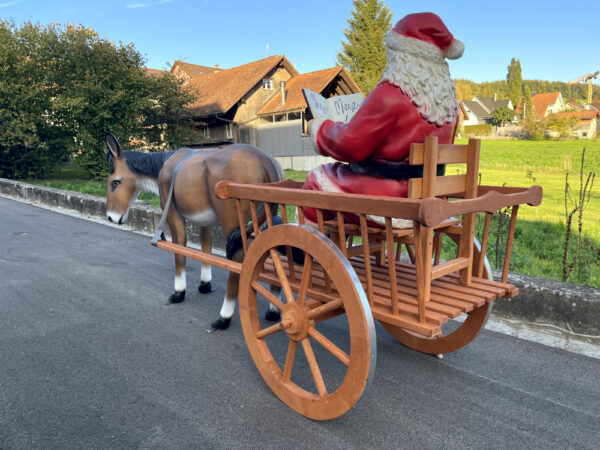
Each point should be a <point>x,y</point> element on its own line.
<point>388,169</point>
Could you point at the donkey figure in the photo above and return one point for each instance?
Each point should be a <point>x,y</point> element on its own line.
<point>193,199</point>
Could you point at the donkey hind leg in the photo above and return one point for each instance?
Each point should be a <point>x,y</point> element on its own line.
<point>177,226</point>
<point>273,314</point>
<point>206,269</point>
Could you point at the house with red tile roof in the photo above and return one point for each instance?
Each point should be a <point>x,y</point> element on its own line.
<point>283,119</point>
<point>259,103</point>
<point>545,104</point>
<point>588,122</point>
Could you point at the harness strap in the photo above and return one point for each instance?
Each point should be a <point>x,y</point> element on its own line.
<point>163,219</point>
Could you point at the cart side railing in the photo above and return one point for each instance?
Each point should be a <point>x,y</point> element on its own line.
<point>430,212</point>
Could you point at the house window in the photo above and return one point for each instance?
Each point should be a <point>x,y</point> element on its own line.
<point>266,119</point>
<point>229,131</point>
<point>294,115</point>
<point>206,132</point>
<point>280,117</point>
<point>584,134</point>
<point>267,84</point>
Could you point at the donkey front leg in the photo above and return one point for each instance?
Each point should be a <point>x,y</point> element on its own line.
<point>177,226</point>
<point>206,269</point>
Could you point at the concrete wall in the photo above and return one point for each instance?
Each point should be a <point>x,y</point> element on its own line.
<point>545,304</point>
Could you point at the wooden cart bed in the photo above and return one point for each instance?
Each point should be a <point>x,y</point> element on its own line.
<point>449,298</point>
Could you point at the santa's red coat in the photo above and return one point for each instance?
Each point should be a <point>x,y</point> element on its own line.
<point>383,128</point>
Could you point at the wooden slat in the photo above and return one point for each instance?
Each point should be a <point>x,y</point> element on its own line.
<point>509,242</point>
<point>446,295</point>
<point>366,254</point>
<point>447,154</point>
<point>425,329</point>
<point>448,267</point>
<point>242,222</point>
<point>449,184</point>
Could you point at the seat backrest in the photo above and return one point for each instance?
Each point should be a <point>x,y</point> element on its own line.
<point>430,154</point>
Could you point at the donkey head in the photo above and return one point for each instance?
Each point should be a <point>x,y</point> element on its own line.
<point>122,185</point>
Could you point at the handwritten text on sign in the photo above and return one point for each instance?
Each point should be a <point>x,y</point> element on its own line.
<point>344,109</point>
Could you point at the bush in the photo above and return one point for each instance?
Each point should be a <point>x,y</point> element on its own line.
<point>479,130</point>
<point>63,87</point>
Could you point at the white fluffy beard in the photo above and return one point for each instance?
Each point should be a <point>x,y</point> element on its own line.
<point>419,69</point>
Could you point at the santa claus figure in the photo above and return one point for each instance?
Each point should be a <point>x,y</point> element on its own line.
<point>415,98</point>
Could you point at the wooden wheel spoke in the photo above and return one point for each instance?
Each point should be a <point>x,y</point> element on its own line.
<point>261,334</point>
<point>326,308</point>
<point>285,283</point>
<point>314,368</point>
<point>289,361</point>
<point>330,346</point>
<point>306,278</point>
<point>267,294</point>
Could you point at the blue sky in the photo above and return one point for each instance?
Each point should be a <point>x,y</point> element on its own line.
<point>553,39</point>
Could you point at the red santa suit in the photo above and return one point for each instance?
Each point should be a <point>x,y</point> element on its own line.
<point>398,112</point>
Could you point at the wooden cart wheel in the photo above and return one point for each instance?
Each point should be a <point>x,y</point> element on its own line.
<point>460,336</point>
<point>323,286</point>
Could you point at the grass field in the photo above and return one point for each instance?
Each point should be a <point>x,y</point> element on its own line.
<point>541,230</point>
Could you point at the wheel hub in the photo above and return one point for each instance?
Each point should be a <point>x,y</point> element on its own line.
<point>298,321</point>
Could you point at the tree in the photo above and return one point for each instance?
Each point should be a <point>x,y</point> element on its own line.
<point>64,87</point>
<point>502,115</point>
<point>29,144</point>
<point>514,81</point>
<point>364,52</point>
<point>526,103</point>
<point>463,89</point>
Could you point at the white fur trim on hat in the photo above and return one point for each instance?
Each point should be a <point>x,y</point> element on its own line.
<point>413,46</point>
<point>314,131</point>
<point>455,50</point>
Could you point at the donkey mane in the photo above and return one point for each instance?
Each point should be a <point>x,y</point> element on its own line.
<point>147,164</point>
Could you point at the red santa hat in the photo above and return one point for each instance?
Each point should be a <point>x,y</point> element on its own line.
<point>428,28</point>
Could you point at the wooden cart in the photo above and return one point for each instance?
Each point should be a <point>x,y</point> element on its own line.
<point>325,275</point>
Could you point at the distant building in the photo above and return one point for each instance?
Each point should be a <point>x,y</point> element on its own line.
<point>545,104</point>
<point>259,103</point>
<point>479,110</point>
<point>588,123</point>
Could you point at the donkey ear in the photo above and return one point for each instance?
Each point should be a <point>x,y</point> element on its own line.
<point>113,145</point>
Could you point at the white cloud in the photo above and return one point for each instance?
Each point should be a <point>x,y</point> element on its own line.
<point>7,4</point>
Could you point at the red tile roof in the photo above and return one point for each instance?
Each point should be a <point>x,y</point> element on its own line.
<point>582,115</point>
<point>155,72</point>
<point>195,70</point>
<point>220,91</point>
<point>294,99</point>
<point>542,101</point>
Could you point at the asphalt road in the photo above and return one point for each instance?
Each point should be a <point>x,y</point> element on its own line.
<point>92,357</point>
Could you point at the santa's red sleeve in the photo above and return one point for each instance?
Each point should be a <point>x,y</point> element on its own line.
<point>358,139</point>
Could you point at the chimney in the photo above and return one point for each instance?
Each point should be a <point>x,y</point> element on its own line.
<point>282,88</point>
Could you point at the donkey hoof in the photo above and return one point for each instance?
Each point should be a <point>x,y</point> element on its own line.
<point>177,297</point>
<point>220,324</point>
<point>272,316</point>
<point>205,288</point>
